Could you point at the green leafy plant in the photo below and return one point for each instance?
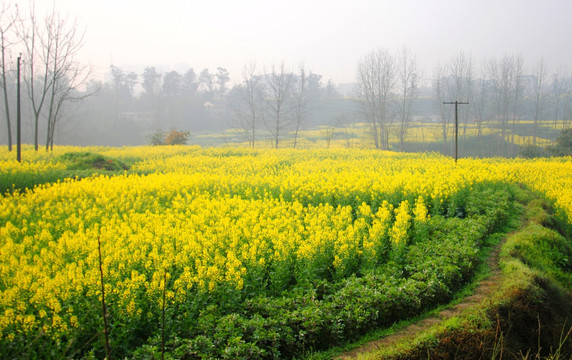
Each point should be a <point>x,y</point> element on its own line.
<point>90,161</point>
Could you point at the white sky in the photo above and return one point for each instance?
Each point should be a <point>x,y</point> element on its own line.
<point>327,36</point>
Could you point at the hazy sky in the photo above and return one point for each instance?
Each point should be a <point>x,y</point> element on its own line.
<point>328,36</point>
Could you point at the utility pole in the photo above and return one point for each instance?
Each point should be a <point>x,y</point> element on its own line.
<point>456,103</point>
<point>18,122</point>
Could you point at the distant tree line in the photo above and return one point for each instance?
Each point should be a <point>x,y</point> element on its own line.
<point>138,105</point>
<point>164,99</point>
<point>273,104</point>
<point>277,101</point>
<point>503,94</point>
<point>387,86</point>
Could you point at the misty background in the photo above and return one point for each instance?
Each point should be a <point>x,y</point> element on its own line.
<point>371,74</point>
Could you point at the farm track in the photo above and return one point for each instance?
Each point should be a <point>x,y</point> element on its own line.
<point>482,291</point>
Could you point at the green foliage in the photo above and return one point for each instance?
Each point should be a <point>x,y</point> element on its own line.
<point>74,165</point>
<point>157,138</point>
<point>563,145</point>
<point>172,137</point>
<point>491,202</point>
<point>90,161</point>
<point>29,179</point>
<point>530,151</point>
<point>542,248</point>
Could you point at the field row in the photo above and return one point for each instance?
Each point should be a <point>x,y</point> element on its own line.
<point>317,176</point>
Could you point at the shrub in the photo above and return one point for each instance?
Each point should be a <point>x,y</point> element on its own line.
<point>175,137</point>
<point>530,151</point>
<point>563,145</point>
<point>157,138</point>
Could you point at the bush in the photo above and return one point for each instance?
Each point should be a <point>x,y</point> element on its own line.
<point>530,151</point>
<point>563,145</point>
<point>173,137</point>
<point>157,138</point>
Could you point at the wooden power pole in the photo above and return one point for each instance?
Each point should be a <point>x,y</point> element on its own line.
<point>18,117</point>
<point>456,103</point>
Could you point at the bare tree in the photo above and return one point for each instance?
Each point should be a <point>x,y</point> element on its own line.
<point>567,98</point>
<point>505,79</point>
<point>7,27</point>
<point>247,102</point>
<point>540,73</point>
<point>37,81</point>
<point>439,87</point>
<point>66,74</point>
<point>517,91</point>
<point>480,101</point>
<point>500,76</point>
<point>460,85</point>
<point>376,77</point>
<point>407,80</point>
<point>560,86</point>
<point>278,85</point>
<point>53,75</point>
<point>328,132</point>
<point>368,96</point>
<point>343,122</point>
<point>301,96</point>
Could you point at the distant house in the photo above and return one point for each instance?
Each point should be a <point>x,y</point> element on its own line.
<point>215,108</point>
<point>427,118</point>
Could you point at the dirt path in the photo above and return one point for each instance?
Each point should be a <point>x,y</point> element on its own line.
<point>483,289</point>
